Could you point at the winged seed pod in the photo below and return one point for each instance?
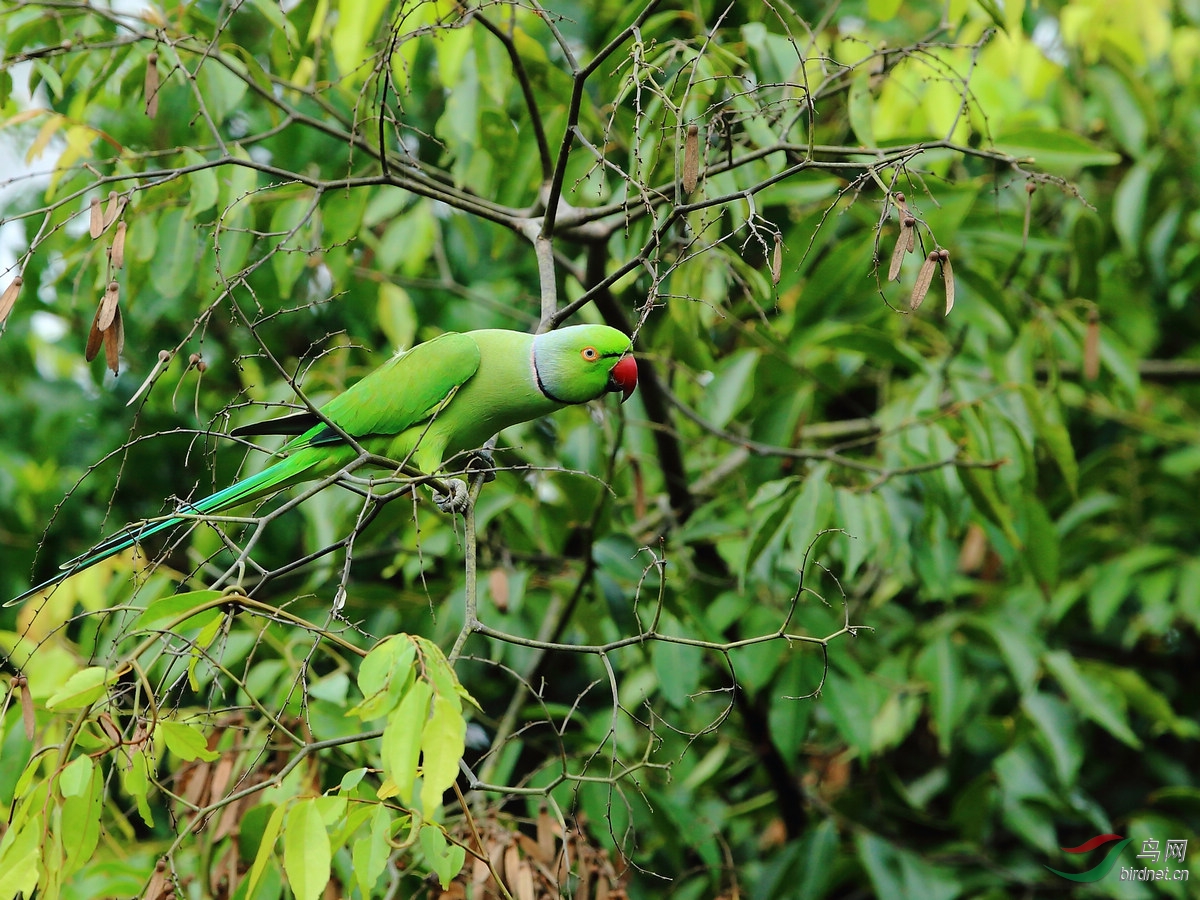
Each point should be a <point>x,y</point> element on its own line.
<point>924,280</point>
<point>164,357</point>
<point>114,343</point>
<point>691,159</point>
<point>28,710</point>
<point>1091,346</point>
<point>96,219</point>
<point>9,298</point>
<point>898,254</point>
<point>947,278</point>
<point>117,253</point>
<point>113,210</point>
<point>108,306</point>
<point>777,259</point>
<point>150,89</point>
<point>95,336</point>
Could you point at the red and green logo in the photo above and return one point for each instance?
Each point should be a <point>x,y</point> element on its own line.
<point>1102,868</point>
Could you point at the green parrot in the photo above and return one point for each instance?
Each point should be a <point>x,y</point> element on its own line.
<point>439,399</point>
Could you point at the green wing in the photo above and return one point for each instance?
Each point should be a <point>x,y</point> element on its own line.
<point>403,392</point>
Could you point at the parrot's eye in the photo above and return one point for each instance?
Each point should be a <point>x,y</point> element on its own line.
<point>589,353</point>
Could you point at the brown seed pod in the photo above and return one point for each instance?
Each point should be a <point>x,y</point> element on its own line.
<point>95,336</point>
<point>117,254</point>
<point>113,209</point>
<point>898,254</point>
<point>108,306</point>
<point>691,159</point>
<point>150,89</point>
<point>95,219</point>
<point>28,711</point>
<point>114,343</point>
<point>910,224</point>
<point>1091,346</point>
<point>947,278</point>
<point>924,280</point>
<point>777,259</point>
<point>9,298</point>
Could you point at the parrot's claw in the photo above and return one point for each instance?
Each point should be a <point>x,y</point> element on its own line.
<point>457,501</point>
<point>482,461</point>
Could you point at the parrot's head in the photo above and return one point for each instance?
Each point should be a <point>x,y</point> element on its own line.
<point>583,362</point>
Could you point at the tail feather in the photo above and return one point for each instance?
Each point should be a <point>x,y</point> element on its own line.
<point>271,479</point>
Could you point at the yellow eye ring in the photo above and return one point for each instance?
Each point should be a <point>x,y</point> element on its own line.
<point>589,353</point>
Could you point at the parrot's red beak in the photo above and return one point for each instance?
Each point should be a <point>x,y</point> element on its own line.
<point>623,377</point>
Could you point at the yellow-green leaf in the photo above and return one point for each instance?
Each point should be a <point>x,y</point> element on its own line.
<point>402,738</point>
<point>442,747</point>
<point>83,688</point>
<point>306,854</point>
<point>186,741</point>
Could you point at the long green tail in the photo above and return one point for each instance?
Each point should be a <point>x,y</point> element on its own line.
<point>297,467</point>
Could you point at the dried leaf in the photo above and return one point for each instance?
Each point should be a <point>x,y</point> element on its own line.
<point>512,864</point>
<point>108,306</point>
<point>691,159</point>
<point>114,343</point>
<point>524,884</point>
<point>777,259</point>
<point>95,219</point>
<point>110,729</point>
<point>117,253</point>
<point>924,280</point>
<point>947,279</point>
<point>498,587</point>
<point>9,298</point>
<point>28,713</point>
<point>547,829</point>
<point>150,89</point>
<point>95,336</point>
<point>1091,346</point>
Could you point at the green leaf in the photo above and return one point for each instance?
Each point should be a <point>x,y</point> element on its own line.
<point>174,608</point>
<point>1090,701</point>
<point>442,745</point>
<point>384,676</point>
<point>137,785</point>
<point>356,25</point>
<point>402,738</point>
<point>187,742</point>
<point>1056,722</point>
<point>306,853</point>
<point>397,318</point>
<point>205,191</point>
<point>173,267</point>
<point>370,854</point>
<point>76,777</point>
<point>82,689</point>
<point>20,859</point>
<point>1055,149</point>
<point>81,815</point>
<point>445,859</point>
<point>266,847</point>
<point>940,668</point>
<point>730,389</point>
<point>1129,204</point>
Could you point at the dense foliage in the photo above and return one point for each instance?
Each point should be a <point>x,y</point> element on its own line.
<point>853,598</point>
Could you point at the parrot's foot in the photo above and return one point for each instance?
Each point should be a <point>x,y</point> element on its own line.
<point>482,461</point>
<point>457,500</point>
